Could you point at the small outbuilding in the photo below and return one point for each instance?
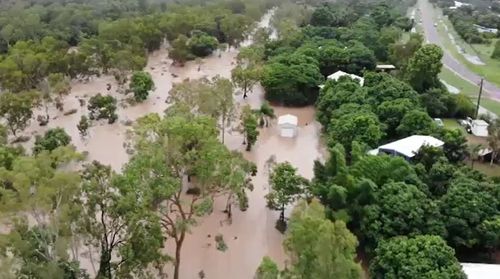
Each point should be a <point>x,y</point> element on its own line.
<point>481,271</point>
<point>479,128</point>
<point>287,125</point>
<point>335,76</point>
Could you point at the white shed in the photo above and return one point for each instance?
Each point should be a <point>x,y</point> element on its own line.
<point>479,128</point>
<point>335,76</point>
<point>288,125</point>
<point>481,271</point>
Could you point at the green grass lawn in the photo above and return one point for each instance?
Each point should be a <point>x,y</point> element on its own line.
<point>469,89</point>
<point>485,168</point>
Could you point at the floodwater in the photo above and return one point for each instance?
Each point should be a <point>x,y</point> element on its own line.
<point>251,234</point>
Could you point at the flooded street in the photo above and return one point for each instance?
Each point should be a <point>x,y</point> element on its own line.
<point>252,234</point>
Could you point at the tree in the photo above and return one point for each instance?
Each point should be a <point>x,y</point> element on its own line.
<point>141,84</point>
<point>3,135</point>
<point>392,112</point>
<point>439,102</point>
<point>51,140</point>
<point>404,209</point>
<point>123,62</point>
<point>167,151</point>
<point>400,53</point>
<point>489,231</point>
<point>37,254</point>
<point>60,85</point>
<point>265,113</point>
<point>473,151</point>
<point>455,145</point>
<point>494,139</point>
<point>363,127</point>
<point>113,220</point>
<point>179,50</point>
<point>45,190</point>
<point>396,258</point>
<point>201,44</point>
<point>234,28</point>
<point>249,124</point>
<point>424,67</point>
<point>245,77</point>
<point>336,94</point>
<point>322,16</point>
<point>416,122</point>
<point>292,80</point>
<point>83,126</point>
<point>318,247</point>
<point>466,205</point>
<point>213,98</point>
<point>267,269</point>
<point>102,107</point>
<point>17,109</point>
<point>496,51</point>
<point>286,187</point>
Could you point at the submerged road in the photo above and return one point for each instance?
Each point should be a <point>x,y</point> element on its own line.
<point>432,36</point>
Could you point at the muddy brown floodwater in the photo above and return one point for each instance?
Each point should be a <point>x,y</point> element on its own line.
<point>252,234</point>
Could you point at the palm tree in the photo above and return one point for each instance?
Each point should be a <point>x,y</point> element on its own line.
<point>265,113</point>
<point>474,153</point>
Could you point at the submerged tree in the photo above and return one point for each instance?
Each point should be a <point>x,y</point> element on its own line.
<point>17,109</point>
<point>141,84</point>
<point>286,187</point>
<point>206,97</point>
<point>51,140</point>
<point>249,124</point>
<point>171,149</point>
<point>118,224</point>
<point>102,107</point>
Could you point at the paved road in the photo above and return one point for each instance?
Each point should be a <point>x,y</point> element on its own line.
<point>431,34</point>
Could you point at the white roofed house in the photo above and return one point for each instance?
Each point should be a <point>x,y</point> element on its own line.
<point>407,147</point>
<point>338,74</point>
<point>288,125</point>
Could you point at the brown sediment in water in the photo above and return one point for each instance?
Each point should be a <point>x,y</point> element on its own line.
<point>251,235</point>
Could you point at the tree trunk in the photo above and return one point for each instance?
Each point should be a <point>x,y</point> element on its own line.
<point>245,90</point>
<point>223,129</point>
<point>178,246</point>
<point>282,214</point>
<point>104,264</point>
<point>493,155</point>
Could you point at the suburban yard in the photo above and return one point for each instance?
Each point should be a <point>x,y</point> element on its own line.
<point>484,167</point>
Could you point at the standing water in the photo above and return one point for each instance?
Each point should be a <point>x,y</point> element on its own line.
<point>252,234</point>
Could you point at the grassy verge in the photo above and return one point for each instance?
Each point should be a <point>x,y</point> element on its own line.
<point>469,89</point>
<point>491,71</point>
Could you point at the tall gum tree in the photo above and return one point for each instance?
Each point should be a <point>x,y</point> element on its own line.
<point>180,167</point>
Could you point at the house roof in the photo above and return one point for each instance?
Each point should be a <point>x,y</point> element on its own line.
<point>335,76</point>
<point>409,146</point>
<point>386,67</point>
<point>480,122</point>
<point>288,119</point>
<point>481,271</point>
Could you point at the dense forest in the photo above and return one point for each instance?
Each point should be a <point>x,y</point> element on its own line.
<point>380,209</point>
<point>436,203</point>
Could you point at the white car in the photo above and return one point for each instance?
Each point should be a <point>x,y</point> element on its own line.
<point>435,24</point>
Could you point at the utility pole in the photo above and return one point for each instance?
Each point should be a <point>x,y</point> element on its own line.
<point>479,97</point>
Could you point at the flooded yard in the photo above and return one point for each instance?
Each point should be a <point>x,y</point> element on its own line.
<point>251,235</point>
